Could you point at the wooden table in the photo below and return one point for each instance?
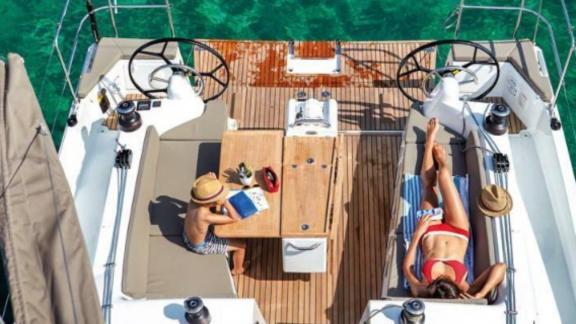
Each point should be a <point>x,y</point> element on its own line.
<point>257,149</point>
<point>308,166</point>
<point>306,203</point>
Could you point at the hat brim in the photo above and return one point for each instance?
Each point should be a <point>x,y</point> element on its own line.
<point>497,213</point>
<point>221,196</point>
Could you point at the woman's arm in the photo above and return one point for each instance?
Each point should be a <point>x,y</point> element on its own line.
<point>416,287</point>
<point>232,213</point>
<point>408,264</point>
<point>219,219</point>
<point>487,280</point>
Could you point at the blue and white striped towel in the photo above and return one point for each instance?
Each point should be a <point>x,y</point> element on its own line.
<point>412,195</point>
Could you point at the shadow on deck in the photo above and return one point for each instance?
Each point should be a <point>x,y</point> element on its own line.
<point>368,101</point>
<point>356,256</point>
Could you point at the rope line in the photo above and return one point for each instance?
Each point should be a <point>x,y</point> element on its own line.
<point>38,130</point>
<point>111,261</point>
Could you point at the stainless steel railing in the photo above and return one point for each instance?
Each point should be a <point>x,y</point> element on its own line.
<point>521,10</point>
<point>112,8</point>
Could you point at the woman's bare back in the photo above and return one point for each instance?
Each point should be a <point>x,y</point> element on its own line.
<point>195,224</point>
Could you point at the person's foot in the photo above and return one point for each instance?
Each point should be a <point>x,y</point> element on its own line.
<point>432,129</point>
<point>241,270</point>
<point>439,155</point>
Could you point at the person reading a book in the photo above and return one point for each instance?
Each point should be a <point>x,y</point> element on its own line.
<point>209,206</point>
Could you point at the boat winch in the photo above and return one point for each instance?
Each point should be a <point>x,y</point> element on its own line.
<point>128,118</point>
<point>496,123</point>
<point>412,312</point>
<point>196,312</point>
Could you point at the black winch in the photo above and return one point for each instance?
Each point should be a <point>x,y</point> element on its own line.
<point>496,122</point>
<point>128,118</point>
<point>196,312</point>
<point>412,312</point>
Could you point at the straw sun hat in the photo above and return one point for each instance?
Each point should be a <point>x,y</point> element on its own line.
<point>207,189</point>
<point>494,201</point>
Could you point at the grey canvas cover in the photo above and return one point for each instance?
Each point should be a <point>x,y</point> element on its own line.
<point>45,258</point>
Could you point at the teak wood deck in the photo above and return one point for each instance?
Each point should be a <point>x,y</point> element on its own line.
<point>373,112</point>
<point>365,90</point>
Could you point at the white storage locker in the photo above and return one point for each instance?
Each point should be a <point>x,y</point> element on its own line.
<point>304,254</point>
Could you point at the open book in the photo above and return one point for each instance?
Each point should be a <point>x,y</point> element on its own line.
<point>248,202</point>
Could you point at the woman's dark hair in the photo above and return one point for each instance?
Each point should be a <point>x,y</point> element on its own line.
<point>444,288</point>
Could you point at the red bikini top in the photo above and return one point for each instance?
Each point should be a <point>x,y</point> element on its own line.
<point>458,267</point>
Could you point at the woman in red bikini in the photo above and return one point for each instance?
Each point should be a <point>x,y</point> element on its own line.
<point>444,242</point>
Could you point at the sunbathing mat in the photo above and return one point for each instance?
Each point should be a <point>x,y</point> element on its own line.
<point>411,196</point>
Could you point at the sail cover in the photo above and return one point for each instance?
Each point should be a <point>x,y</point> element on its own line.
<point>45,257</point>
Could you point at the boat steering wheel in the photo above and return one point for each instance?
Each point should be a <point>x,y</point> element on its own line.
<point>405,70</point>
<point>182,69</point>
<point>450,70</point>
<point>200,77</point>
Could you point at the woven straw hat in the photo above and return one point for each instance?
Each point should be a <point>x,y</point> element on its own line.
<point>494,201</point>
<point>207,189</point>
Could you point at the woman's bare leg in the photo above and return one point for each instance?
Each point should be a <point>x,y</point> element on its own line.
<point>238,248</point>
<point>428,171</point>
<point>454,213</point>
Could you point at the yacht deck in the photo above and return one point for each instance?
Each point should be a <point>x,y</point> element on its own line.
<point>365,89</point>
<point>372,114</point>
<point>356,255</point>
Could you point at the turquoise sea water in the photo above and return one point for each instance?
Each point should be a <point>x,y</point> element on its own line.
<point>29,28</point>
